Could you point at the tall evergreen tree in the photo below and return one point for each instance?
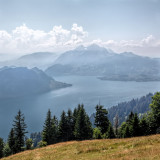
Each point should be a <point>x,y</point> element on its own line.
<point>130,118</point>
<point>1,147</point>
<point>63,127</point>
<point>19,127</point>
<point>70,121</point>
<point>135,126</point>
<point>101,119</point>
<point>47,129</point>
<point>83,129</point>
<point>144,126</point>
<point>154,114</point>
<point>110,132</point>
<point>122,129</point>
<point>54,129</point>
<point>12,141</point>
<point>129,123</point>
<point>126,132</point>
<point>75,114</point>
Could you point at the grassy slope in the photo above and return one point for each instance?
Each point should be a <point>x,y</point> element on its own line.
<point>116,149</point>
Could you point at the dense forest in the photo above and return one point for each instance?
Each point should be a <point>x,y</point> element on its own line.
<point>139,106</point>
<point>76,125</point>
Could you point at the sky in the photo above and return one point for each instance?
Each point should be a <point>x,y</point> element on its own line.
<point>28,26</point>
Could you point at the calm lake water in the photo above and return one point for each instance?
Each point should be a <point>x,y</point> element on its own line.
<point>87,90</point>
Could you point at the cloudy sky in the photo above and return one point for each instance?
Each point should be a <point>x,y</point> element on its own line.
<point>57,25</point>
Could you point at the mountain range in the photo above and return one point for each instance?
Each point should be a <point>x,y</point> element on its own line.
<point>92,60</point>
<point>21,81</point>
<point>41,60</point>
<point>106,64</point>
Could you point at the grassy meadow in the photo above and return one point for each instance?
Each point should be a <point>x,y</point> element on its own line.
<point>144,148</point>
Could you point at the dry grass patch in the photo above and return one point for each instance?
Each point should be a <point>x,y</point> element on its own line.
<point>143,148</point>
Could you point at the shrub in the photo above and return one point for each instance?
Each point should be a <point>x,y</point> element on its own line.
<point>42,144</point>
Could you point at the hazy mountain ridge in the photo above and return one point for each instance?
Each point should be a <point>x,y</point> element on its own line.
<point>40,60</point>
<point>21,81</point>
<point>98,61</point>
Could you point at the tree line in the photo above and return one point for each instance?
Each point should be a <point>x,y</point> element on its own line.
<point>76,125</point>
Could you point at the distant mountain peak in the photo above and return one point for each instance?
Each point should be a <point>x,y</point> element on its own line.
<point>129,54</point>
<point>92,47</point>
<point>95,47</point>
<point>80,48</point>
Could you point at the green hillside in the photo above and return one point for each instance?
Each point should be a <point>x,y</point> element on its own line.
<point>145,148</point>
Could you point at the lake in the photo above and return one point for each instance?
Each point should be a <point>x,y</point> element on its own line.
<point>86,89</point>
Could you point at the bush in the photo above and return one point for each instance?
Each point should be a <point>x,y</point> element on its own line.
<point>42,144</point>
<point>6,150</point>
<point>97,133</point>
<point>29,144</point>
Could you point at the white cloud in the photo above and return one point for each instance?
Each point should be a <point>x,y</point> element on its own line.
<point>148,46</point>
<point>25,40</point>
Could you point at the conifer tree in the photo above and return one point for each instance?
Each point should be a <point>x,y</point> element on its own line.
<point>144,126</point>
<point>135,126</point>
<point>110,132</point>
<point>75,113</point>
<point>47,129</point>
<point>1,147</point>
<point>63,127</point>
<point>54,130</point>
<point>122,129</point>
<point>101,119</point>
<point>70,121</point>
<point>12,141</point>
<point>130,118</point>
<point>126,132</point>
<point>83,129</point>
<point>154,114</point>
<point>19,127</point>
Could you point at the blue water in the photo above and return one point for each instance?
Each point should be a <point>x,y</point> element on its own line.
<point>87,90</point>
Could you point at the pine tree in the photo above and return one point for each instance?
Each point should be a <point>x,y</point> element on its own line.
<point>63,127</point>
<point>110,132</point>
<point>70,124</point>
<point>47,129</point>
<point>144,126</point>
<point>130,118</point>
<point>135,126</point>
<point>129,124</point>
<point>54,130</point>
<point>12,141</point>
<point>75,114</point>
<point>1,147</point>
<point>19,127</point>
<point>101,119</point>
<point>126,132</point>
<point>83,129</point>
<point>154,114</point>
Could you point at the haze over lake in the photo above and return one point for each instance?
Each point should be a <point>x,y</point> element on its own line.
<point>88,90</point>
